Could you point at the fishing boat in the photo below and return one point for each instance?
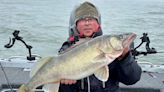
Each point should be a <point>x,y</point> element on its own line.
<point>15,70</point>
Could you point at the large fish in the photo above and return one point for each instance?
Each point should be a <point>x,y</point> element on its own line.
<point>91,57</point>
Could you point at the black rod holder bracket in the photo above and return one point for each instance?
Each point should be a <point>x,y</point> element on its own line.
<point>144,39</point>
<point>17,37</point>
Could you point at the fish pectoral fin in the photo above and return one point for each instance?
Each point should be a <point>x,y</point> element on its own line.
<point>39,64</point>
<point>53,87</point>
<point>102,73</point>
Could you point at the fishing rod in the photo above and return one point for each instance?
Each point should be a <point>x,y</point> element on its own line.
<point>144,39</point>
<point>5,75</point>
<point>17,37</point>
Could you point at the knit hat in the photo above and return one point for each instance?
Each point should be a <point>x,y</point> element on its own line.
<point>86,9</point>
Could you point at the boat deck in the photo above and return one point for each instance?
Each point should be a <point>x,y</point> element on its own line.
<point>150,82</point>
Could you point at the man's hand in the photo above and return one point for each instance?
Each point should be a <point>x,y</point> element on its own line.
<point>67,81</point>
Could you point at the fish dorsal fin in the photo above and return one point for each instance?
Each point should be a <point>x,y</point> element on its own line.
<point>102,73</point>
<point>39,64</point>
<point>53,87</point>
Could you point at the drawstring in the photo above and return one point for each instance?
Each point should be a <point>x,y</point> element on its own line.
<point>88,80</point>
<point>103,83</point>
<point>88,84</point>
<point>82,84</point>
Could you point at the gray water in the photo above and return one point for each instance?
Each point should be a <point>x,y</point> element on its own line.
<point>44,23</point>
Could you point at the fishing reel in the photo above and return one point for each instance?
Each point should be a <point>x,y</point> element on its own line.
<point>144,39</point>
<point>17,37</point>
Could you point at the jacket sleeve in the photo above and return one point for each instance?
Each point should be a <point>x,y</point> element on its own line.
<point>129,72</point>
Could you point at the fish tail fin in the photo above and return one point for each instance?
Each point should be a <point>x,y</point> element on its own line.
<point>22,88</point>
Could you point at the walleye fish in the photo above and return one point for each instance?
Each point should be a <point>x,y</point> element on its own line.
<point>91,57</point>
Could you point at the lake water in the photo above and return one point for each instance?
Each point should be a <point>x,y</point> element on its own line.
<point>44,23</point>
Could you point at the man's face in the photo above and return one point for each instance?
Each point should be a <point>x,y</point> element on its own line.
<point>87,26</point>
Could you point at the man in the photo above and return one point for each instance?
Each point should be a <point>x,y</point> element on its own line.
<point>85,23</point>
